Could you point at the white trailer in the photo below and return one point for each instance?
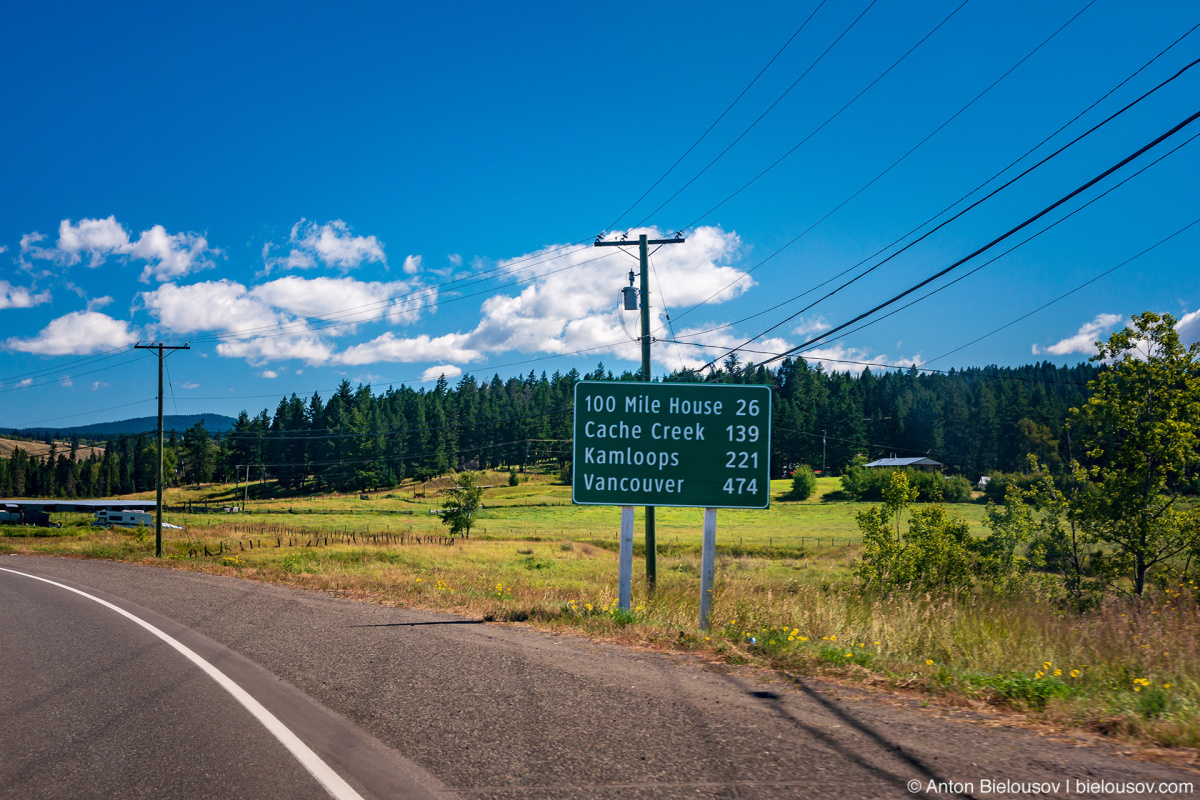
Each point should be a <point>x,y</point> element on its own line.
<point>122,519</point>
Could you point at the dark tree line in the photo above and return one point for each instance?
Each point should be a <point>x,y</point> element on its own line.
<point>975,420</point>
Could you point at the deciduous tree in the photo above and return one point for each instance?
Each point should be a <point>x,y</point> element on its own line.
<point>462,501</point>
<point>1140,436</point>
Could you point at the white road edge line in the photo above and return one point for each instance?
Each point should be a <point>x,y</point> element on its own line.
<point>333,783</point>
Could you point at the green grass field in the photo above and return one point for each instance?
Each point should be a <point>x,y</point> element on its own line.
<point>784,597</point>
<point>540,509</point>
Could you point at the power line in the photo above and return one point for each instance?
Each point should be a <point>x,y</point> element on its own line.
<point>101,356</point>
<point>399,458</point>
<point>81,414</point>
<point>1071,292</point>
<point>1011,249</point>
<point>1013,163</point>
<point>761,116</point>
<point>31,385</point>
<point>865,443</point>
<point>1008,233</point>
<point>838,113</point>
<point>899,367</point>
<point>728,108</point>
<point>405,381</point>
<point>293,328</point>
<point>323,434</point>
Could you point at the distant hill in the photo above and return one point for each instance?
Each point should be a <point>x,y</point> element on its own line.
<point>213,423</point>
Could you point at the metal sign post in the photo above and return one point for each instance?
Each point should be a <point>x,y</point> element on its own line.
<point>671,444</point>
<point>625,559</point>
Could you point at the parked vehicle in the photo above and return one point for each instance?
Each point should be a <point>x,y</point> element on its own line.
<point>122,519</point>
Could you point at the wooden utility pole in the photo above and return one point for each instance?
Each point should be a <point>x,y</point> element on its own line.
<point>644,291</point>
<point>160,347</point>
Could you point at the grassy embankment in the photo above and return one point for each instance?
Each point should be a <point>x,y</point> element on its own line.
<point>784,595</point>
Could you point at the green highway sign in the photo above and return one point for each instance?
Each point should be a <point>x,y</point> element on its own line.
<point>671,444</point>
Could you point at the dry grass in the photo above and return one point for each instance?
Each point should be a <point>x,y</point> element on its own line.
<point>40,450</point>
<point>1129,668</point>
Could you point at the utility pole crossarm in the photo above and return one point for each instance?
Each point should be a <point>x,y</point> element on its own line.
<point>676,240</point>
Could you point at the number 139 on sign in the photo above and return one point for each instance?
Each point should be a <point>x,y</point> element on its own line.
<point>742,433</point>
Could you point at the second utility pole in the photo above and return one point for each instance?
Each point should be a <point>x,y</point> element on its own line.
<point>160,347</point>
<point>644,291</point>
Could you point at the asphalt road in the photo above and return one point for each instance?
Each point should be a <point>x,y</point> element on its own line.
<point>406,704</point>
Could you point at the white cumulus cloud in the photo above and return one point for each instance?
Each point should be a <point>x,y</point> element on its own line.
<point>261,350</point>
<point>574,304</point>
<point>274,320</point>
<point>167,256</point>
<point>1084,341</point>
<point>332,244</point>
<point>433,373</point>
<point>20,297</point>
<point>810,327</point>
<point>701,345</point>
<point>1188,328</point>
<point>222,305</point>
<point>390,347</point>
<point>399,302</point>
<point>77,333</point>
<point>839,358</point>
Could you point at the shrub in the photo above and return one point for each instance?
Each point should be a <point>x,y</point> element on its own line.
<point>513,478</point>
<point>804,483</point>
<point>865,484</point>
<point>1000,482</point>
<point>935,552</point>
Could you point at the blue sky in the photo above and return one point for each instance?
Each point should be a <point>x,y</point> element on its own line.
<point>385,193</point>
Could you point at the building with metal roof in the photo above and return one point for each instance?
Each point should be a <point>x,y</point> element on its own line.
<point>52,506</point>
<point>922,463</point>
